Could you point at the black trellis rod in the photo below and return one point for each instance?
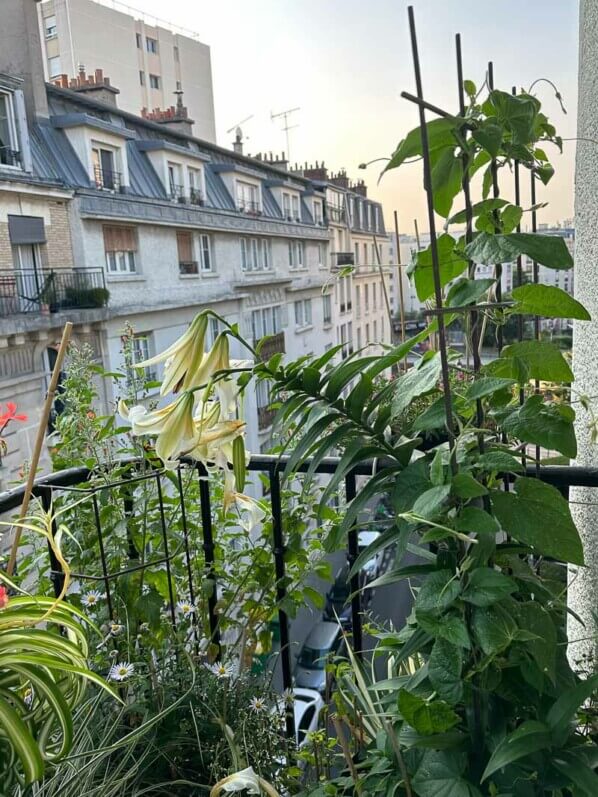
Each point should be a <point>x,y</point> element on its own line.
<point>496,194</point>
<point>129,510</point>
<point>281,592</point>
<point>57,573</point>
<point>425,105</point>
<point>433,242</point>
<point>186,540</point>
<point>352,554</point>
<point>166,553</point>
<point>520,322</point>
<point>103,563</point>
<point>209,557</point>
<point>536,278</point>
<point>467,308</point>
<point>125,571</point>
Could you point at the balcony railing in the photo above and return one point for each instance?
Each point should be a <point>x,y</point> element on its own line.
<point>340,259</point>
<point>9,157</point>
<point>196,197</point>
<point>177,193</point>
<point>265,417</point>
<point>188,267</point>
<point>31,291</point>
<point>337,215</point>
<point>274,344</point>
<point>107,179</point>
<point>249,207</point>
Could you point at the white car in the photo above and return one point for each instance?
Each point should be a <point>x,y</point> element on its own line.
<point>372,567</point>
<point>307,705</point>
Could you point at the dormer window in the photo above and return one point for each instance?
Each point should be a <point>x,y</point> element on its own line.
<point>175,183</point>
<point>290,207</point>
<point>9,149</point>
<point>248,198</point>
<point>105,175</point>
<point>318,213</point>
<point>196,196</point>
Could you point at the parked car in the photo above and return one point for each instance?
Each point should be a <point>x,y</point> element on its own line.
<point>372,567</point>
<point>322,641</point>
<point>307,704</point>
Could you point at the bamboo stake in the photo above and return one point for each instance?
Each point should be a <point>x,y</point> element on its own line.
<point>39,441</point>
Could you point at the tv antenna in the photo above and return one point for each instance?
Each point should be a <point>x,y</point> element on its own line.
<point>286,126</point>
<point>238,131</point>
<point>242,122</point>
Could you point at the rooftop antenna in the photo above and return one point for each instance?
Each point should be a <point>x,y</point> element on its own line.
<point>238,124</point>
<point>286,127</point>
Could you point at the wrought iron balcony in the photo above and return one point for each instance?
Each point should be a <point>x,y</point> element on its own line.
<point>177,193</point>
<point>9,157</point>
<point>188,267</point>
<point>251,208</point>
<point>340,259</point>
<point>196,196</point>
<point>107,179</point>
<point>274,344</point>
<point>265,417</point>
<point>337,215</point>
<point>37,291</point>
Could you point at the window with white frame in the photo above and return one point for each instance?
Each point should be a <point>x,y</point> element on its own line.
<point>105,174</point>
<point>320,251</point>
<point>50,30</point>
<point>195,185</point>
<point>374,296</point>
<point>366,298</point>
<point>365,254</point>
<point>120,247</point>
<point>262,395</point>
<point>154,81</point>
<point>374,258</point>
<point>367,333</point>
<point>248,197</point>
<point>266,321</point>
<point>151,45</point>
<point>375,332</point>
<point>9,150</point>
<point>357,301</point>
<point>327,308</point>
<point>141,349</point>
<point>205,248</point>
<point>318,212</point>
<point>295,208</point>
<point>296,254</point>
<point>256,254</point>
<point>54,67</point>
<point>350,336</point>
<point>286,205</point>
<point>356,254</point>
<point>303,317</point>
<point>359,337</point>
<point>349,281</point>
<point>214,329</point>
<point>187,263</point>
<point>141,77</point>
<point>175,181</point>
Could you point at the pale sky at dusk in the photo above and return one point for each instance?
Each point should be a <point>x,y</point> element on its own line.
<point>345,62</point>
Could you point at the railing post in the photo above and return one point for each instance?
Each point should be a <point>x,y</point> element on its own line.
<point>281,592</point>
<point>352,554</point>
<point>57,573</point>
<point>166,550</point>
<point>103,562</point>
<point>208,548</point>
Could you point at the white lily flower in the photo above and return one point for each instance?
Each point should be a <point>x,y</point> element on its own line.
<point>227,390</point>
<point>214,444</point>
<point>183,358</point>
<point>172,425</point>
<point>251,511</point>
<point>244,780</point>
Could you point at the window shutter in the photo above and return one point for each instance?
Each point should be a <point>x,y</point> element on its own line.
<point>120,239</point>
<point>185,247</point>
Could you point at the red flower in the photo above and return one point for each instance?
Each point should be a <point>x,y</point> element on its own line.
<point>3,598</point>
<point>11,414</point>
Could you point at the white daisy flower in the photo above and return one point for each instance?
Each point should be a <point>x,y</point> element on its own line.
<point>144,627</point>
<point>288,697</point>
<point>185,608</point>
<point>113,654</point>
<point>115,628</point>
<point>221,670</point>
<point>92,598</point>
<point>121,671</point>
<point>257,704</point>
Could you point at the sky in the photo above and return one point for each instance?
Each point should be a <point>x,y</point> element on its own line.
<point>344,63</point>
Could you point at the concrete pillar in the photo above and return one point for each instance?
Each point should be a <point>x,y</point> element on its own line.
<point>21,52</point>
<point>583,588</point>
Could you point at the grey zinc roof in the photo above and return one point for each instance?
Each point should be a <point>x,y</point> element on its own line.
<point>142,175</point>
<point>53,156</point>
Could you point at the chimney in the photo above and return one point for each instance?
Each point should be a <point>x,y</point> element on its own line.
<point>316,172</point>
<point>95,86</point>
<point>174,118</point>
<point>280,162</point>
<point>340,179</point>
<point>360,188</point>
<point>21,53</point>
<point>238,142</point>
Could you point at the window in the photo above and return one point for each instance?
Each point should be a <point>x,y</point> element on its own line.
<point>175,182</point>
<point>9,155</point>
<point>140,350</point>
<point>374,258</point>
<point>359,337</point>
<point>50,27</point>
<point>266,321</point>
<point>375,332</point>
<point>320,255</point>
<point>286,206</point>
<point>206,253</point>
<point>54,67</point>
<point>138,40</point>
<point>262,394</point>
<point>367,333</point>
<point>342,291</point>
<point>303,316</point>
<point>327,308</point>
<point>357,301</point>
<point>374,299</point>
<point>350,336</point>
<point>104,173</point>
<point>141,77</point>
<point>295,206</point>
<point>365,254</point>
<point>248,197</point>
<point>358,219</point>
<point>366,298</point>
<point>151,45</point>
<point>120,246</point>
<point>296,254</point>
<point>382,329</point>
<point>187,264</point>
<point>213,330</point>
<point>349,282</point>
<point>356,254</point>
<point>154,81</point>
<point>256,254</point>
<point>318,213</point>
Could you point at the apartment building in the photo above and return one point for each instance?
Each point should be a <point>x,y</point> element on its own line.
<point>359,243</point>
<point>147,59</point>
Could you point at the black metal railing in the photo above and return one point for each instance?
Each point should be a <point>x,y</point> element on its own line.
<point>107,179</point>
<point>339,259</point>
<point>9,156</point>
<point>188,267</point>
<point>274,344</point>
<point>337,215</point>
<point>196,197</point>
<point>250,207</point>
<point>76,480</point>
<point>35,291</point>
<point>177,193</point>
